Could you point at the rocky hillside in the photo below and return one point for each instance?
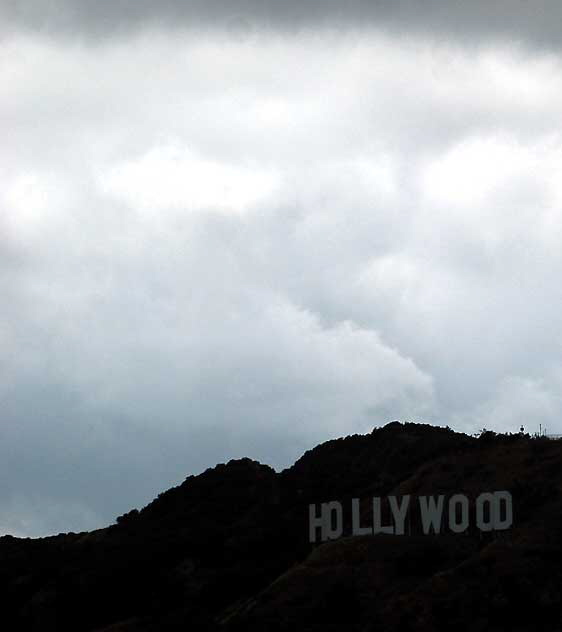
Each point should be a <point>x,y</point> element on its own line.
<point>229,549</point>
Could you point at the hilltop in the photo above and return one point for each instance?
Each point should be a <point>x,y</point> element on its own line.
<point>229,549</point>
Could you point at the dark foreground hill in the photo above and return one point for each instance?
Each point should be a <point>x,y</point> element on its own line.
<point>229,550</point>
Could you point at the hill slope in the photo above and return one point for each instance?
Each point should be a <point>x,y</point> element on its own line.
<point>228,549</point>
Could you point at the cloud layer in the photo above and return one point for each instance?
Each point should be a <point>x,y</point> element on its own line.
<point>214,246</point>
<point>533,23</point>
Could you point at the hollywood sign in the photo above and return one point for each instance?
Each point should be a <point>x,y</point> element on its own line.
<point>493,511</point>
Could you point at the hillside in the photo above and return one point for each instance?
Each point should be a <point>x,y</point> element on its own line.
<point>229,549</point>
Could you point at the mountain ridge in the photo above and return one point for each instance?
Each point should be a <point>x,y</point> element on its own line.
<point>229,549</point>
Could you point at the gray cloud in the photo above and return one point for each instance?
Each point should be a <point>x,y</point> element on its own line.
<point>206,252</point>
<point>520,21</point>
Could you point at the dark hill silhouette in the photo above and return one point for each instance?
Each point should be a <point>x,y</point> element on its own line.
<point>228,549</point>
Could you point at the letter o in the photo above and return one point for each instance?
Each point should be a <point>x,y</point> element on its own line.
<point>332,510</point>
<point>462,501</point>
<point>485,525</point>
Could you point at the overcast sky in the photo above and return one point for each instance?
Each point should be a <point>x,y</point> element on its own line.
<point>242,228</point>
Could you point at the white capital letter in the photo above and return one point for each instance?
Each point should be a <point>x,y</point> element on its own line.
<point>399,512</point>
<point>315,522</point>
<point>332,529</point>
<point>357,529</point>
<point>377,527</point>
<point>485,525</point>
<point>462,500</point>
<point>431,513</point>
<point>500,524</point>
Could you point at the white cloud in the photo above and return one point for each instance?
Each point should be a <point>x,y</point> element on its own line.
<point>174,178</point>
<point>32,202</point>
<point>533,403</point>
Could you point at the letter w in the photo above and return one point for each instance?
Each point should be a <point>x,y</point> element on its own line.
<point>431,512</point>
